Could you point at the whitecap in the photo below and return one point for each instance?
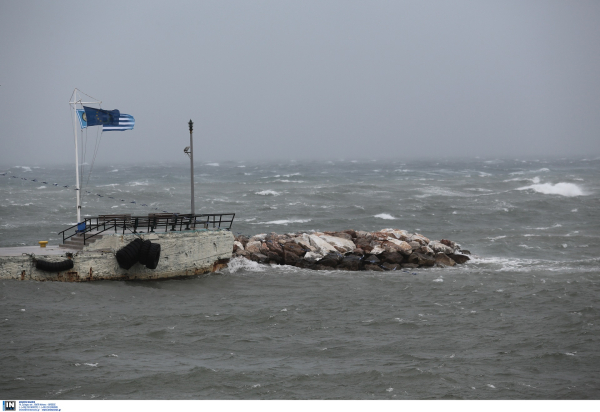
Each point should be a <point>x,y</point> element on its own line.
<point>438,280</point>
<point>114,170</point>
<point>240,263</point>
<point>268,193</point>
<point>562,189</point>
<point>386,216</point>
<point>91,364</point>
<point>211,164</point>
<point>137,184</point>
<point>42,187</point>
<point>283,222</point>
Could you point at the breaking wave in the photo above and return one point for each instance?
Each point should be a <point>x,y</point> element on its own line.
<point>268,193</point>
<point>386,216</point>
<point>563,189</point>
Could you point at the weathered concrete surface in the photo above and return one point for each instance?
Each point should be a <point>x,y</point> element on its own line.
<point>185,253</point>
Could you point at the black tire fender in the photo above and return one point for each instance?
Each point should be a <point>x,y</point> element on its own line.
<point>144,249</point>
<point>153,256</point>
<point>54,266</point>
<point>128,255</point>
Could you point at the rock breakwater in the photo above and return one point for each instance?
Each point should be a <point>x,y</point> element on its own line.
<point>387,249</point>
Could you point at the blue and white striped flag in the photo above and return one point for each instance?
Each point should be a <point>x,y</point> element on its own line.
<point>126,122</point>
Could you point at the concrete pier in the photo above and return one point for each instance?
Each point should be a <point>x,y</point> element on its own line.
<point>183,253</point>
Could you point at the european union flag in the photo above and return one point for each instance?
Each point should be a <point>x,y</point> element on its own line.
<point>110,120</point>
<point>99,117</point>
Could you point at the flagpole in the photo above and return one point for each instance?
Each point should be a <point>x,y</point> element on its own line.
<point>191,124</point>
<point>74,106</point>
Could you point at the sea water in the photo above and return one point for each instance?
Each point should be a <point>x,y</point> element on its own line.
<point>520,320</point>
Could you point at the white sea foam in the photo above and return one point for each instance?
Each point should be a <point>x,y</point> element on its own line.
<point>42,187</point>
<point>25,168</point>
<point>114,170</point>
<point>283,222</point>
<point>240,263</point>
<point>137,184</point>
<point>562,189</point>
<point>211,164</point>
<point>268,193</point>
<point>385,216</point>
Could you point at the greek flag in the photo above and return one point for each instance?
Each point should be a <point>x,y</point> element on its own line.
<point>126,122</point>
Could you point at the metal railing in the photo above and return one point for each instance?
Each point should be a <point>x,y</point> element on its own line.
<point>93,226</point>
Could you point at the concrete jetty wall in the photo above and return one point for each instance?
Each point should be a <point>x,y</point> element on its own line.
<point>184,253</point>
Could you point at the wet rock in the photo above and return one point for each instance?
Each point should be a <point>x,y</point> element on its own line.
<point>259,257</point>
<point>421,239</point>
<point>409,265</point>
<point>352,233</point>
<point>421,259</point>
<point>358,252</point>
<point>312,257</point>
<point>460,259</point>
<point>237,246</point>
<point>465,252</point>
<point>290,258</point>
<point>259,237</point>
<point>304,242</point>
<point>440,247</point>
<point>351,262</point>
<point>414,245</point>
<point>264,248</point>
<point>274,247</point>
<point>321,246</point>
<point>392,257</point>
<point>441,259</point>
<point>345,245</point>
<point>372,260</point>
<point>426,250</point>
<point>274,258</point>
<point>448,243</point>
<point>391,266</point>
<point>294,248</point>
<point>253,246</point>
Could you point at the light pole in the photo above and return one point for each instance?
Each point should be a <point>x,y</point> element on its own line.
<point>190,152</point>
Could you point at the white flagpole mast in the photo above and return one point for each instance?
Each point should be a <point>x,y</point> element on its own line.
<point>74,106</point>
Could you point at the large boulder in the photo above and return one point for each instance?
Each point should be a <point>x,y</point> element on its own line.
<point>290,258</point>
<point>321,245</point>
<point>304,241</point>
<point>351,262</point>
<point>460,259</point>
<point>439,247</point>
<point>312,257</point>
<point>441,259</point>
<point>347,245</point>
<point>260,237</point>
<point>421,259</point>
<point>421,239</point>
<point>294,248</point>
<point>237,246</point>
<point>391,257</point>
<point>253,246</point>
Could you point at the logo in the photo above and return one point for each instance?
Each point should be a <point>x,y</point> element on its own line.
<point>84,116</point>
<point>9,405</point>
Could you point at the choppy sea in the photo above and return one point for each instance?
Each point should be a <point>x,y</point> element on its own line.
<point>521,320</point>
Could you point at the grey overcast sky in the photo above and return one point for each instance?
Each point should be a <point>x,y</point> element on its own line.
<point>303,79</point>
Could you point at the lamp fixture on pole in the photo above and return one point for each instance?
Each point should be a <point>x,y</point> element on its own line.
<point>190,152</point>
